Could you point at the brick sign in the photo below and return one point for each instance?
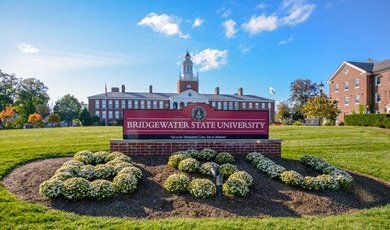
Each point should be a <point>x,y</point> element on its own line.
<point>196,121</point>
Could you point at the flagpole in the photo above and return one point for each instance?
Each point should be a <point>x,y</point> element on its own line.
<point>105,120</point>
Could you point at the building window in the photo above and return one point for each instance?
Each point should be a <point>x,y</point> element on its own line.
<point>377,98</point>
<point>97,113</point>
<point>243,105</point>
<point>250,105</point>
<point>213,104</point>
<point>129,104</point>
<point>103,104</point>
<point>263,105</point>
<point>219,105</point>
<point>103,115</point>
<point>161,105</point>
<point>110,115</point>
<point>377,80</point>
<point>257,106</point>
<point>346,101</point>
<point>357,99</point>
<point>148,104</point>
<point>336,87</point>
<point>224,105</point>
<point>357,83</point>
<point>142,106</point>
<point>155,105</point>
<point>123,104</point>
<point>269,105</point>
<point>109,104</point>
<point>230,105</point>
<point>346,85</point>
<point>117,114</point>
<point>236,105</point>
<point>97,104</point>
<point>116,104</point>
<point>136,104</point>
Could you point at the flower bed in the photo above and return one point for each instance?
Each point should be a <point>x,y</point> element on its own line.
<point>88,175</point>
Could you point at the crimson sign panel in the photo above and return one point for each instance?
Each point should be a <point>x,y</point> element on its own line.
<point>196,121</point>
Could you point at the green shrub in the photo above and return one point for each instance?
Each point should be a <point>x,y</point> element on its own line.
<point>177,183</point>
<point>265,165</point>
<point>189,165</point>
<point>72,169</point>
<point>85,156</point>
<point>292,178</point>
<point>118,156</point>
<point>193,153</point>
<point>376,120</point>
<point>132,170</point>
<point>72,163</point>
<point>206,167</point>
<point>119,165</point>
<point>202,188</point>
<point>62,176</point>
<point>174,160</point>
<point>327,182</point>
<point>297,123</point>
<point>310,183</point>
<point>125,183</point>
<point>223,158</point>
<point>104,171</point>
<point>227,169</point>
<point>235,187</point>
<point>51,188</point>
<point>100,157</point>
<point>76,188</point>
<point>206,154</point>
<point>102,189</point>
<point>87,171</point>
<point>242,175</point>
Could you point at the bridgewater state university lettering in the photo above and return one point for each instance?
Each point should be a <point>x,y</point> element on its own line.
<point>187,125</point>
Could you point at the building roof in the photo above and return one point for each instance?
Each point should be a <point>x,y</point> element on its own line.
<point>366,66</point>
<point>381,65</point>
<point>166,96</point>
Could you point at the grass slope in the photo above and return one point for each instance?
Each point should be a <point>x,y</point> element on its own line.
<point>361,149</point>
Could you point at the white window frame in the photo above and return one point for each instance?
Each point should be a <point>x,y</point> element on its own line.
<point>97,113</point>
<point>213,104</point>
<point>154,104</point>
<point>123,102</point>
<point>250,106</point>
<point>377,95</point>
<point>230,105</point>
<point>104,104</point>
<point>110,114</point>
<point>110,104</point>
<point>336,88</point>
<point>243,105</point>
<point>136,106</point>
<point>346,86</point>
<point>148,104</point>
<point>225,105</point>
<point>129,104</point>
<point>236,105</point>
<point>116,104</point>
<point>378,77</point>
<point>104,115</point>
<point>219,105</point>
<point>97,104</point>
<point>357,99</point>
<point>346,101</point>
<point>358,83</point>
<point>142,104</point>
<point>117,114</point>
<point>161,105</point>
<point>262,105</point>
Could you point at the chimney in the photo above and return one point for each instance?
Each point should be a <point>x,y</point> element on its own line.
<point>150,89</point>
<point>115,89</point>
<point>240,91</point>
<point>216,91</point>
<point>123,89</point>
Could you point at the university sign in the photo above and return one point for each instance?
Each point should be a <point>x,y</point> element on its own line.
<point>196,121</point>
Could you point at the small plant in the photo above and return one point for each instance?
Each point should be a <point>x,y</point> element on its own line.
<point>193,153</point>
<point>310,183</point>
<point>76,188</point>
<point>223,158</point>
<point>177,183</point>
<point>72,169</point>
<point>206,154</point>
<point>85,156</point>
<point>205,168</point>
<point>118,165</point>
<point>189,165</point>
<point>227,169</point>
<point>100,157</point>
<point>125,183</point>
<point>118,156</point>
<point>292,178</point>
<point>235,187</point>
<point>51,188</point>
<point>62,176</point>
<point>174,160</point>
<point>202,188</point>
<point>327,182</point>
<point>132,170</point>
<point>87,171</point>
<point>104,171</point>
<point>242,175</point>
<point>102,189</point>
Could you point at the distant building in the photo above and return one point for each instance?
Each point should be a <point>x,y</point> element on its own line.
<point>361,85</point>
<point>109,106</point>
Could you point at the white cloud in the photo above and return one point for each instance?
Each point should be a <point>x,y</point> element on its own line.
<point>197,22</point>
<point>224,12</point>
<point>298,12</point>
<point>262,6</point>
<point>258,24</point>
<point>164,24</point>
<point>244,49</point>
<point>229,25</point>
<point>210,59</point>
<point>27,48</point>
<point>288,40</point>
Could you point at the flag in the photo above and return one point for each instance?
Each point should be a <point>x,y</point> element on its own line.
<point>272,90</point>
<point>105,88</point>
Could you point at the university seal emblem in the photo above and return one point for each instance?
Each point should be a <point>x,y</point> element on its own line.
<point>198,113</point>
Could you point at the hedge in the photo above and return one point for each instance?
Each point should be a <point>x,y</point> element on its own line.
<point>376,120</point>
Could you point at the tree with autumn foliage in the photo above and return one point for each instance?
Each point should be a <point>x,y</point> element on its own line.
<point>283,113</point>
<point>35,119</point>
<point>6,115</point>
<point>321,107</point>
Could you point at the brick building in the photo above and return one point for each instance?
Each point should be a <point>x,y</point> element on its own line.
<point>109,105</point>
<point>361,86</point>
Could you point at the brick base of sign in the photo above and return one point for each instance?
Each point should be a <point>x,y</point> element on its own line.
<point>269,147</point>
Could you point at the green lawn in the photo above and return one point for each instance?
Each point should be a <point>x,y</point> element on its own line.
<point>360,149</point>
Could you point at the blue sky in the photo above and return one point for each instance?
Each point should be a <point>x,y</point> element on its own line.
<point>77,46</point>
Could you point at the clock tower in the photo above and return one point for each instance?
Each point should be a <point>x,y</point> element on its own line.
<point>187,80</point>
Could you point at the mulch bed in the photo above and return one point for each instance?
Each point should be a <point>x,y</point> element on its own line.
<point>266,198</point>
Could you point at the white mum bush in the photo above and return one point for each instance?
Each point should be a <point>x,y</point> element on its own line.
<point>235,187</point>
<point>85,156</point>
<point>292,178</point>
<point>202,188</point>
<point>206,154</point>
<point>176,158</point>
<point>62,176</point>
<point>227,169</point>
<point>87,171</point>
<point>242,175</point>
<point>51,189</point>
<point>132,170</point>
<point>118,156</point>
<point>102,189</point>
<point>224,157</point>
<point>193,153</point>
<point>205,168</point>
<point>104,171</point>
<point>100,157</point>
<point>125,183</point>
<point>177,183</point>
<point>265,165</point>
<point>189,165</point>
<point>76,188</point>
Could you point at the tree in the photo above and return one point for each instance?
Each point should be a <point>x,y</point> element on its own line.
<point>283,112</point>
<point>68,107</point>
<point>35,119</point>
<point>6,115</point>
<point>321,107</point>
<point>301,90</point>
<point>54,118</point>
<point>8,92</point>
<point>43,109</point>
<point>30,93</point>
<point>85,118</point>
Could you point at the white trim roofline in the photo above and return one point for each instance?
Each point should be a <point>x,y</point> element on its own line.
<point>341,66</point>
